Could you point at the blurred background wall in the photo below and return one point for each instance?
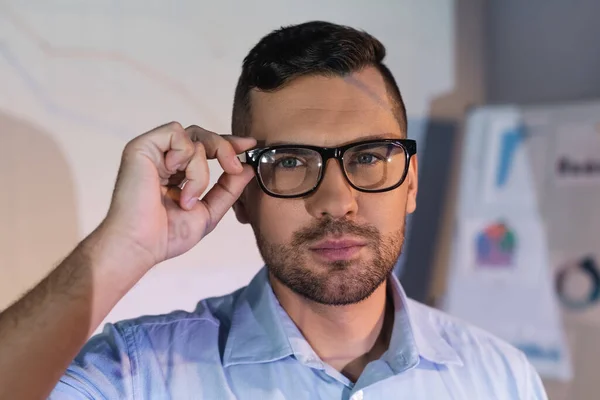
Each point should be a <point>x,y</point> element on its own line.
<point>79,79</point>
<point>541,51</point>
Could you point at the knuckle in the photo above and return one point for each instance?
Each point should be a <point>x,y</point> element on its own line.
<point>195,132</point>
<point>175,126</point>
<point>188,144</point>
<point>193,127</point>
<point>130,147</point>
<point>212,137</point>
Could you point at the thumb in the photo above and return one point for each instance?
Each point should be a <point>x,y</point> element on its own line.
<point>223,194</point>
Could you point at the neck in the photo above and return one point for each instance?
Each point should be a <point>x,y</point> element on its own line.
<point>345,337</point>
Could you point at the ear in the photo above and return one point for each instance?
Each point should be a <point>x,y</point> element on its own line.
<point>412,181</point>
<point>241,213</point>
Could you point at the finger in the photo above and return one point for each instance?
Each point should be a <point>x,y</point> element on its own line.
<point>181,152</point>
<point>223,194</point>
<point>198,175</point>
<point>168,146</point>
<point>216,147</point>
<point>223,148</point>
<point>165,136</point>
<point>239,143</point>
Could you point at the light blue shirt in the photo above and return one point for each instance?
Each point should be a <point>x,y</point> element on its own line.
<point>245,346</point>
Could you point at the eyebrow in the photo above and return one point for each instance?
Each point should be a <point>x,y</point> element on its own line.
<point>264,143</point>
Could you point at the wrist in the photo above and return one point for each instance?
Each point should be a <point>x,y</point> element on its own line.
<point>116,260</point>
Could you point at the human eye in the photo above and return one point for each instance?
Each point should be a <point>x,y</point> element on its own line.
<point>366,158</point>
<point>289,162</point>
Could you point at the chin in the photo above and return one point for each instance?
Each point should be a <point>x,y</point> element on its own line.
<point>333,267</point>
<point>342,296</point>
<point>341,284</point>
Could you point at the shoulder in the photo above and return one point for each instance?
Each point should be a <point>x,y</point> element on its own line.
<point>173,331</point>
<point>148,341</point>
<point>209,312</point>
<point>133,354</point>
<point>465,337</point>
<point>486,358</point>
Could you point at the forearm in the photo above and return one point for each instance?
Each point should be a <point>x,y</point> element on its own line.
<point>44,331</point>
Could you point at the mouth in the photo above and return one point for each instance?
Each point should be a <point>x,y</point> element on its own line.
<point>337,250</point>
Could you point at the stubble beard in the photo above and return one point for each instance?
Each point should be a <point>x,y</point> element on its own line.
<point>340,282</point>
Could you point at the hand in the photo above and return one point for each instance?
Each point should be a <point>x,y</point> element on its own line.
<point>150,212</point>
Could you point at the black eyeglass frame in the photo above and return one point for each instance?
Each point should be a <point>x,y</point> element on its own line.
<point>253,158</point>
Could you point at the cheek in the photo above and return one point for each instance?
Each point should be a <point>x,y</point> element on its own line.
<point>278,219</point>
<point>386,211</point>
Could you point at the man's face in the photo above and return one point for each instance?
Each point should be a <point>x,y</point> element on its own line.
<point>336,245</point>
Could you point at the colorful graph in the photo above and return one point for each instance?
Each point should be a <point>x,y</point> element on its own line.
<point>495,246</point>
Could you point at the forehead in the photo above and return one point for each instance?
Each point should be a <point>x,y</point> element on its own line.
<point>325,111</point>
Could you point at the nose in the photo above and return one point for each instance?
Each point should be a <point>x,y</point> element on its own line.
<point>335,197</point>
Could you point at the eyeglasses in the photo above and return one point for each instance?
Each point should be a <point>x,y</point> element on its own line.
<point>288,171</point>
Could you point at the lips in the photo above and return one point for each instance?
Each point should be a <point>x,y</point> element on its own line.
<point>338,250</point>
<point>337,244</point>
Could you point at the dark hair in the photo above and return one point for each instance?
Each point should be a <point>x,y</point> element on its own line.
<point>311,48</point>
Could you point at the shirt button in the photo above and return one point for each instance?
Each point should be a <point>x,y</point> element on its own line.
<point>357,396</point>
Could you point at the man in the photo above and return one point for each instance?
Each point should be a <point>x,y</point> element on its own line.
<point>328,179</point>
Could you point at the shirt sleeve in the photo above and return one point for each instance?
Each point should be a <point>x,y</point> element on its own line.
<point>101,370</point>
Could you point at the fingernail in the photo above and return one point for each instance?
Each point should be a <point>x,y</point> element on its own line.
<point>238,163</point>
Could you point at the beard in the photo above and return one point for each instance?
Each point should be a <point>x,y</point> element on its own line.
<point>340,282</point>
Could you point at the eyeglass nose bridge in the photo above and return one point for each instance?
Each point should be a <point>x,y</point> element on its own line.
<point>328,153</point>
<point>332,152</point>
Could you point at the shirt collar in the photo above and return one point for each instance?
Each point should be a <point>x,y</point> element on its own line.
<point>256,334</point>
<point>261,331</point>
<point>414,334</point>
